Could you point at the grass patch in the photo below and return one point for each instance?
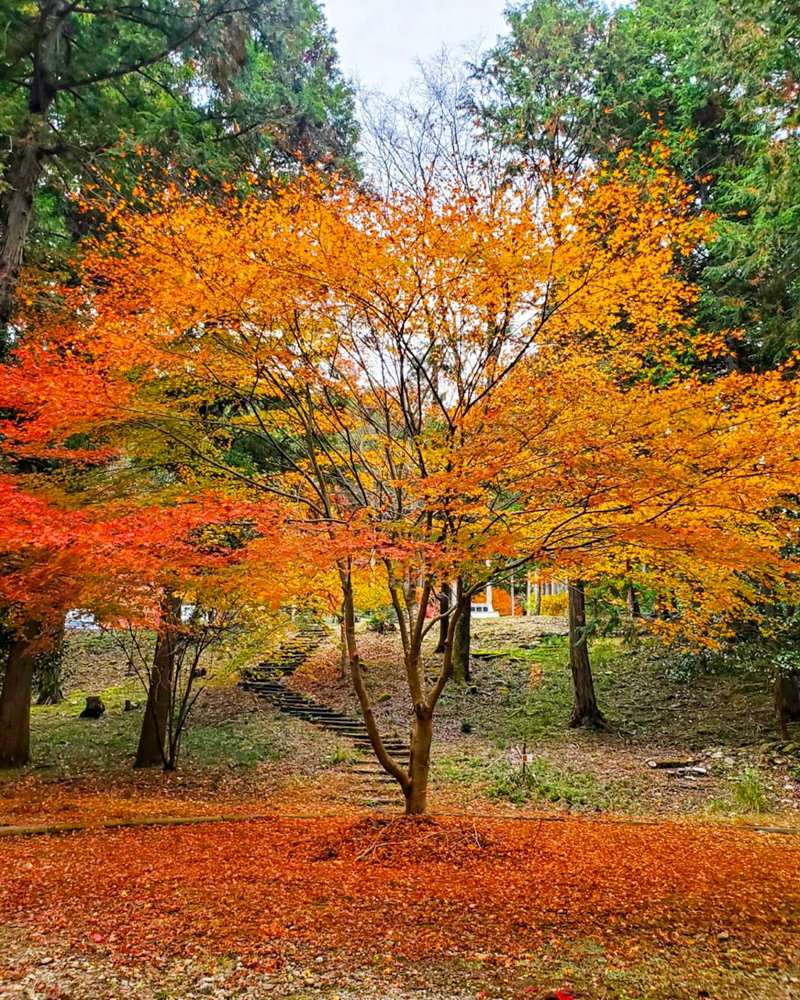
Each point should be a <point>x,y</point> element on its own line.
<point>343,755</point>
<point>523,693</point>
<point>63,741</point>
<point>747,794</point>
<point>750,793</point>
<point>59,738</point>
<point>542,782</point>
<point>528,693</point>
<point>245,743</point>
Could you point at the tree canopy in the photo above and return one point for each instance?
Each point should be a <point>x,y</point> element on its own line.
<point>207,89</point>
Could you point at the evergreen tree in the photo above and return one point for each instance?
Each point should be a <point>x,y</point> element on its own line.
<point>575,83</point>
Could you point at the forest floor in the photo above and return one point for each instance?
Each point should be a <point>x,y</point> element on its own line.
<point>438,909</point>
<point>593,873</point>
<point>241,756</point>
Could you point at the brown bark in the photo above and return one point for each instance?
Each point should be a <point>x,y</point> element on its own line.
<point>413,780</point>
<point>49,669</point>
<point>444,607</point>
<point>786,692</point>
<point>584,710</point>
<point>16,208</point>
<point>151,751</point>
<point>538,609</point>
<point>632,600</point>
<point>462,645</point>
<point>420,760</point>
<point>343,639</point>
<point>348,613</point>
<point>28,152</point>
<point>416,793</point>
<point>15,699</point>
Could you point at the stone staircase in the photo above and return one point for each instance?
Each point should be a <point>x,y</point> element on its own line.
<point>374,788</point>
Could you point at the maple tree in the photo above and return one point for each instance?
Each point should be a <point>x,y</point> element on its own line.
<point>36,542</point>
<point>444,384</point>
<point>207,86</point>
<point>122,561</point>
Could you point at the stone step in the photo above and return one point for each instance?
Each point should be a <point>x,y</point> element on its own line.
<point>302,710</point>
<point>269,684</point>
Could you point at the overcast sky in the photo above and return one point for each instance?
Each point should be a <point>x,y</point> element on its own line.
<point>379,41</point>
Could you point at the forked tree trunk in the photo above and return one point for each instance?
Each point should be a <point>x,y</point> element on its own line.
<point>420,761</point>
<point>413,780</point>
<point>15,699</point>
<point>151,751</point>
<point>584,710</point>
<point>462,645</point>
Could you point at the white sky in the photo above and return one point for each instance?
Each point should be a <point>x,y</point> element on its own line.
<point>379,41</point>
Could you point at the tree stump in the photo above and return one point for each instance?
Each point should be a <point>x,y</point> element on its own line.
<point>94,708</point>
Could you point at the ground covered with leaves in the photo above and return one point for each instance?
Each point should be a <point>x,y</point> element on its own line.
<point>505,906</point>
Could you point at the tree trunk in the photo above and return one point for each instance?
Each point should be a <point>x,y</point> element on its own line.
<point>444,607</point>
<point>584,711</point>
<point>348,613</point>
<point>48,670</point>
<point>345,661</point>
<point>461,646</point>
<point>15,699</point>
<point>538,609</point>
<point>28,152</point>
<point>632,600</point>
<point>16,208</point>
<point>787,700</point>
<point>151,751</point>
<point>631,597</point>
<point>420,761</point>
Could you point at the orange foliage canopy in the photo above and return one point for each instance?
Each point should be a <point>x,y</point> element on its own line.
<point>116,558</point>
<point>443,383</point>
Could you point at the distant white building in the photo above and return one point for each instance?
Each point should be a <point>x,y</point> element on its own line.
<point>84,621</point>
<point>484,609</point>
<point>80,621</point>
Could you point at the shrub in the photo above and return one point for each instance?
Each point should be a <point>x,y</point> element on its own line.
<point>555,604</point>
<point>382,620</point>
